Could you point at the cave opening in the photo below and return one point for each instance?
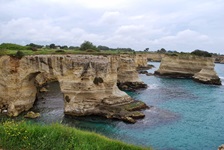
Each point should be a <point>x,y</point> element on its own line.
<point>49,102</point>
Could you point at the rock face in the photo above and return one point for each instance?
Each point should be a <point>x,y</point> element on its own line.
<point>188,66</point>
<point>219,58</point>
<point>156,57</point>
<point>208,76</point>
<point>141,61</point>
<point>127,75</point>
<point>89,83</point>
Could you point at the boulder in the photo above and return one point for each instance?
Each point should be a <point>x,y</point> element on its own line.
<point>221,147</point>
<point>32,115</point>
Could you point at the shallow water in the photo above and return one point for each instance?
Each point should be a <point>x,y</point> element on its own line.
<point>187,115</point>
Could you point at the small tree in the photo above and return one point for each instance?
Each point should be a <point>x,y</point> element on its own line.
<point>87,45</point>
<point>201,53</point>
<point>146,49</point>
<point>19,54</point>
<point>52,46</point>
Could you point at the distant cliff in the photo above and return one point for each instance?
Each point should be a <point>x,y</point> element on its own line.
<point>88,83</point>
<point>156,57</point>
<point>189,66</point>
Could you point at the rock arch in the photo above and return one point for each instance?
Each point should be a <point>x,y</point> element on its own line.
<point>76,75</point>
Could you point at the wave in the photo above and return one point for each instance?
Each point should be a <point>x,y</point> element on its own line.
<point>221,78</point>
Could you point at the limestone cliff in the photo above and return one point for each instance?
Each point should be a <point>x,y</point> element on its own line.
<point>141,61</point>
<point>89,84</point>
<point>127,75</point>
<point>186,66</point>
<point>156,57</point>
<point>207,75</point>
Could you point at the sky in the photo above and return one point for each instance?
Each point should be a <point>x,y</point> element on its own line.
<point>181,25</point>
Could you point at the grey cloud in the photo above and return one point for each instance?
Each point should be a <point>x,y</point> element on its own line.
<point>173,24</point>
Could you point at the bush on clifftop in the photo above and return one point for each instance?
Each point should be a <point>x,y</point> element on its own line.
<point>201,53</point>
<point>88,45</point>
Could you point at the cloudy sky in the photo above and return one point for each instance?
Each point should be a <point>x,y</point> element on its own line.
<point>182,25</point>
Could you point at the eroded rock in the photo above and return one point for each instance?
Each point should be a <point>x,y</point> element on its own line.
<point>127,76</point>
<point>189,66</point>
<point>207,76</point>
<point>221,147</point>
<point>88,83</point>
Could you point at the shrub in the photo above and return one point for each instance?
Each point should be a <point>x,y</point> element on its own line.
<point>19,54</point>
<point>201,53</point>
<point>87,45</point>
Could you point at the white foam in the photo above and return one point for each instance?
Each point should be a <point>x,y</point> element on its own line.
<point>221,78</point>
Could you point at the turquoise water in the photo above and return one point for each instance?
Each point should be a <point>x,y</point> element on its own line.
<point>186,115</point>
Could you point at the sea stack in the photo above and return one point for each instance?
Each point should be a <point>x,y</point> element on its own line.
<point>200,69</point>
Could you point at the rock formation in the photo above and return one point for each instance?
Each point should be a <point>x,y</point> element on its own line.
<point>141,61</point>
<point>221,147</point>
<point>156,57</point>
<point>208,76</point>
<point>88,83</point>
<point>127,75</point>
<point>189,66</point>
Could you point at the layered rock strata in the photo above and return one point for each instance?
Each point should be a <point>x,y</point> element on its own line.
<point>189,66</point>
<point>88,83</point>
<point>155,57</point>
<point>141,61</point>
<point>127,76</point>
<point>208,76</point>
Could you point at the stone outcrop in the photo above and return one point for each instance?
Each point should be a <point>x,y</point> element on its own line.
<point>219,58</point>
<point>208,76</point>
<point>221,147</point>
<point>127,76</point>
<point>88,83</point>
<point>155,57</point>
<point>189,66</point>
<point>141,61</point>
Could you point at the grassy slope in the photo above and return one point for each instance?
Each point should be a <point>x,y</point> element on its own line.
<point>22,135</point>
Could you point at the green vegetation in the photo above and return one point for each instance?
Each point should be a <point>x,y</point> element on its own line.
<point>201,53</point>
<point>34,49</point>
<point>26,136</point>
<point>10,46</point>
<point>88,46</point>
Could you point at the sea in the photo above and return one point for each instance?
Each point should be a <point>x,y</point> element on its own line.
<point>186,115</point>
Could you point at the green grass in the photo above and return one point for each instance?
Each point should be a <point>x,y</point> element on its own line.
<point>54,51</point>
<point>27,136</point>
